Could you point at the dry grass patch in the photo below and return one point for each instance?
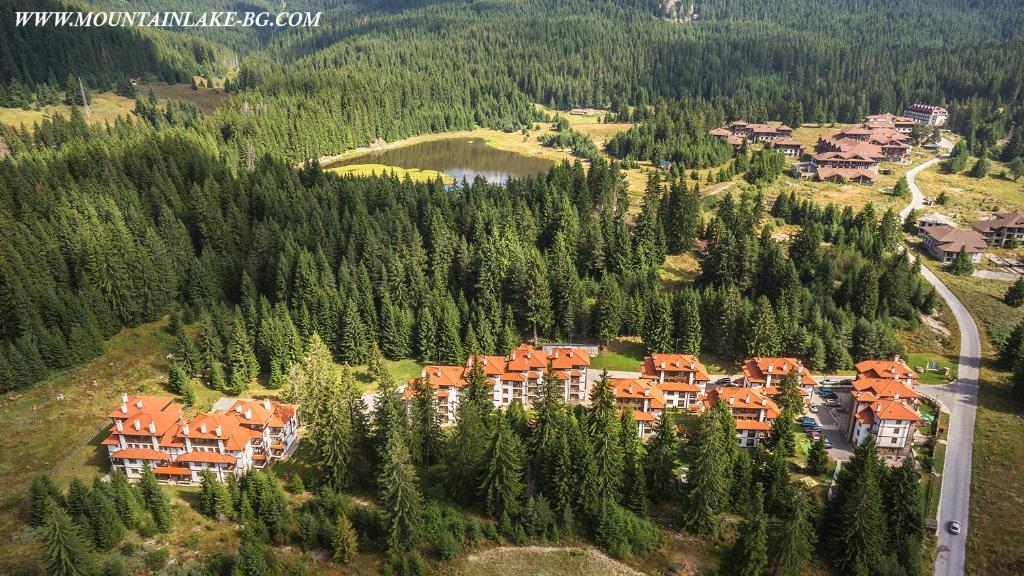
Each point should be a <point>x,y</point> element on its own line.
<point>972,198</point>
<point>543,561</point>
<point>679,269</point>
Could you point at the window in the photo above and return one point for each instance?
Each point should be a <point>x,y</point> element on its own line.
<point>892,440</point>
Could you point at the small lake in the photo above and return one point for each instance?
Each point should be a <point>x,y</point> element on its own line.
<point>459,158</point>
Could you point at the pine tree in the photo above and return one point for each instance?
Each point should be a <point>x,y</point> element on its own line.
<point>213,496</point>
<point>125,499</point>
<point>603,430</point>
<point>794,535</point>
<point>354,339</point>
<point>544,441</point>
<point>400,496</point>
<point>741,479</point>
<point>345,544</point>
<point>106,526</point>
<point>790,397</point>
<point>254,557</point>
<point>1015,293</point>
<point>426,430</point>
<point>707,477</point>
<point>155,499</point>
<point>634,481</point>
<point>502,486</point>
<point>186,355</point>
<point>750,552</point>
<point>817,458</point>
<point>467,446</point>
<point>662,451</point>
<point>657,326</point>
<point>40,493</point>
<point>961,264</point>
<point>217,380</point>
<point>65,550</point>
<point>608,309</point>
<point>856,524</point>
<point>177,380</point>
<point>782,437</point>
<point>425,334</point>
<point>902,499</point>
<point>687,328</point>
<point>763,339</point>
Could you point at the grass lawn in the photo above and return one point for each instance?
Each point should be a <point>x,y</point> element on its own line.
<point>415,174</point>
<point>107,106</point>
<point>679,269</point>
<point>623,354</point>
<point>921,359</point>
<point>972,198</point>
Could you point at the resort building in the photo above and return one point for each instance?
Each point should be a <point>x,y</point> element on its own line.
<point>781,137</point>
<point>1006,230</point>
<point>752,409</point>
<point>943,242</point>
<point>927,114</point>
<point>769,373</point>
<point>151,429</point>
<point>884,403</point>
<point>643,397</point>
<point>513,378</point>
<point>933,219</point>
<point>682,378</point>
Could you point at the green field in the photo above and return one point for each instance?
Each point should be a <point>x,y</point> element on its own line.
<point>623,354</point>
<point>972,198</point>
<point>543,561</point>
<point>416,174</point>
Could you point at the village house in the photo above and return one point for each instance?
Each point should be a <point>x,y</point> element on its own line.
<point>752,409</point>
<point>927,114</point>
<point>884,403</point>
<point>1006,230</point>
<point>643,397</point>
<point>682,378</point>
<point>151,429</point>
<point>943,242</point>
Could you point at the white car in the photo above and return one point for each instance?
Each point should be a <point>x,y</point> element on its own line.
<point>814,408</point>
<point>954,527</point>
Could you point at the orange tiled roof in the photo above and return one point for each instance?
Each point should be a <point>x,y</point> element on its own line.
<point>567,358</point>
<point>884,388</point>
<point>213,457</point>
<point>739,398</point>
<point>674,363</point>
<point>173,470</point>
<point>758,425</point>
<point>638,388</point>
<point>756,370</point>
<point>525,358</point>
<point>887,410</point>
<point>140,454</point>
<point>131,406</point>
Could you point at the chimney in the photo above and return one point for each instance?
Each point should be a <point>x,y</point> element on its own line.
<point>120,425</point>
<point>238,408</point>
<point>152,427</point>
<point>124,408</point>
<point>138,403</point>
<point>248,414</point>
<point>513,355</point>
<point>647,392</point>
<point>438,373</point>
<point>896,358</point>
<point>676,363</point>
<point>764,401</point>
<point>732,399</point>
<point>785,366</point>
<point>662,366</point>
<point>800,370</point>
<point>124,398</point>
<point>556,353</point>
<point>266,403</point>
<point>770,368</point>
<point>137,425</point>
<point>184,429</point>
<point>202,428</point>
<point>896,396</point>
<point>570,353</point>
<point>693,365</point>
<point>217,430</point>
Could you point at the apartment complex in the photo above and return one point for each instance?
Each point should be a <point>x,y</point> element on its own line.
<point>153,430</point>
<point>927,114</point>
<point>884,404</point>
<point>943,242</point>
<point>780,137</point>
<point>516,377</point>
<point>752,409</point>
<point>1005,230</point>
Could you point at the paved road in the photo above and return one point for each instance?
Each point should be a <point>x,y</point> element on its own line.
<point>961,398</point>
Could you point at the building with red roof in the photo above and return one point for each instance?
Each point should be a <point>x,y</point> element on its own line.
<point>752,409</point>
<point>513,378</point>
<point>739,133</point>
<point>884,403</point>
<point>153,430</point>
<point>767,372</point>
<point>1006,229</point>
<point>927,114</point>
<point>643,398</point>
<point>682,378</point>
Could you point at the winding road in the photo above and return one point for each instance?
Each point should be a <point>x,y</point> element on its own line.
<point>961,398</point>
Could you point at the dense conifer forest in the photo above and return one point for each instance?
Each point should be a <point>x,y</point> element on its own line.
<point>282,270</point>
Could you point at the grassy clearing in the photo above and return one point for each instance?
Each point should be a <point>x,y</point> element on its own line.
<point>107,106</point>
<point>984,298</point>
<point>624,353</point>
<point>972,198</point>
<point>679,269</point>
<point>542,561</point>
<point>920,360</point>
<point>416,174</point>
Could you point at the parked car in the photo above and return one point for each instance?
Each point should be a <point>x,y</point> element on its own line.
<point>813,435</point>
<point>724,381</point>
<point>831,402</point>
<point>954,527</point>
<point>828,445</point>
<point>814,408</point>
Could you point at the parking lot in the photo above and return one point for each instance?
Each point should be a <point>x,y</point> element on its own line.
<point>833,425</point>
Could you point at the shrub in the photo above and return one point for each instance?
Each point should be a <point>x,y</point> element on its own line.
<point>155,559</point>
<point>622,533</point>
